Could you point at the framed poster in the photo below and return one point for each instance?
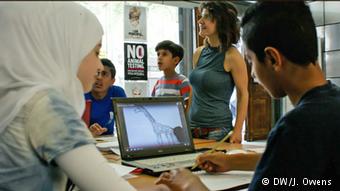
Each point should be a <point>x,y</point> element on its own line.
<point>135,61</point>
<point>134,23</point>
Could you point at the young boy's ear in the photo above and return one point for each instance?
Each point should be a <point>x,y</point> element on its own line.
<point>273,57</point>
<point>176,59</point>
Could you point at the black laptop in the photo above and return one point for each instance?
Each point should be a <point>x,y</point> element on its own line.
<point>153,133</point>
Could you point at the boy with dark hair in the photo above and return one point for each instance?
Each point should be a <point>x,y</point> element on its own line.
<point>171,84</point>
<point>101,114</point>
<point>303,147</point>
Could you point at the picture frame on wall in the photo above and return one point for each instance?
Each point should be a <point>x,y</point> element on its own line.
<point>135,23</point>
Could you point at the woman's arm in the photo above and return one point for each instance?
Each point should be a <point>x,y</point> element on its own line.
<point>238,70</point>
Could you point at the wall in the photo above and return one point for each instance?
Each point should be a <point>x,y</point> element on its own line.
<point>327,19</point>
<point>326,16</point>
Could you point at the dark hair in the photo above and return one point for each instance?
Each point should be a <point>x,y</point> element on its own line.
<point>227,23</point>
<point>106,62</point>
<point>175,49</point>
<point>287,26</point>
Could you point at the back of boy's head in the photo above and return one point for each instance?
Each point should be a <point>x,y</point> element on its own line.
<point>175,49</point>
<point>106,62</point>
<point>285,25</point>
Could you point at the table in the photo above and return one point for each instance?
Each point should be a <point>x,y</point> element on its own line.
<point>143,181</point>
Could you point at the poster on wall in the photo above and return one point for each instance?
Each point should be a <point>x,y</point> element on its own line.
<point>135,61</point>
<point>136,88</point>
<point>134,23</point>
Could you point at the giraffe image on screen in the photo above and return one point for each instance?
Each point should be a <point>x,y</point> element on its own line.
<point>164,133</point>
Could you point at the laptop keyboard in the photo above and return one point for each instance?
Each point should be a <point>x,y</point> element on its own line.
<point>170,162</point>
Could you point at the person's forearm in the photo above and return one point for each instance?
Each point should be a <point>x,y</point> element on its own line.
<point>243,161</point>
<point>89,170</point>
<point>242,105</point>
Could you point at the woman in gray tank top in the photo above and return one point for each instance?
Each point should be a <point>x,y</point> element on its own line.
<point>218,68</point>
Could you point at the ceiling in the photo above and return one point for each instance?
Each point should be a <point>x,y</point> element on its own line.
<point>331,9</point>
<point>240,5</point>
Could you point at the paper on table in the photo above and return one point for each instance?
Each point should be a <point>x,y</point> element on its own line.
<point>107,144</point>
<point>221,181</point>
<point>113,143</point>
<point>236,151</point>
<point>115,150</point>
<point>257,150</point>
<point>106,138</point>
<point>121,170</point>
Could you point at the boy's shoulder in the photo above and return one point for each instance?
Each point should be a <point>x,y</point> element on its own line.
<point>179,77</point>
<point>182,77</point>
<point>114,87</point>
<point>116,91</point>
<point>88,96</point>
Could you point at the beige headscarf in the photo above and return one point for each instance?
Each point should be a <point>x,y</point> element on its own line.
<point>41,46</point>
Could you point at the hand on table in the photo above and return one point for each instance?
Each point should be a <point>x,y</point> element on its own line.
<point>236,137</point>
<point>213,162</point>
<point>181,180</point>
<point>96,129</point>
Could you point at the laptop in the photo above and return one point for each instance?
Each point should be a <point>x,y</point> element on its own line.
<point>153,133</point>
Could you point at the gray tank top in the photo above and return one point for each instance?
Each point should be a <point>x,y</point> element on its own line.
<point>212,87</point>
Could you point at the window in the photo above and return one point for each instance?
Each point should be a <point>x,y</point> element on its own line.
<point>162,24</point>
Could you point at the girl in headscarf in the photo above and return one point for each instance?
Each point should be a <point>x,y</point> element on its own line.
<point>49,58</point>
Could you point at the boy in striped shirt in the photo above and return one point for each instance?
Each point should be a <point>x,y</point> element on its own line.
<point>171,84</point>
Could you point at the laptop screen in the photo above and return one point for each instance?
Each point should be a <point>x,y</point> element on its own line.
<point>152,126</point>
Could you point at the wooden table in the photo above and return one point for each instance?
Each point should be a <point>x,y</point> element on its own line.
<point>143,181</point>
